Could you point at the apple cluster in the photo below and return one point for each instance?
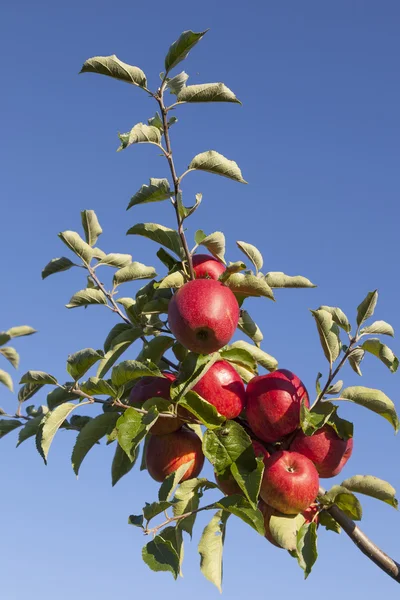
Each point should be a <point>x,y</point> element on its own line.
<point>203,315</point>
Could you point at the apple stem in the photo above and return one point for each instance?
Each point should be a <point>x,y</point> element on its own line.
<point>363,543</point>
<point>176,180</point>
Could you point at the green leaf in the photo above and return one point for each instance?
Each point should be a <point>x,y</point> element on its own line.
<point>187,498</point>
<point>133,272</point>
<point>345,500</point>
<point>160,555</point>
<point>121,464</point>
<point>30,429</point>
<point>7,425</point>
<point>128,370</point>
<point>328,334</point>
<point>132,428</point>
<point>248,472</point>
<point>114,333</point>
<point>205,412</point>
<point>177,83</point>
<point>249,327</point>
<point>248,285</point>
<point>112,66</point>
<point>245,374</point>
<point>262,358</point>
<point>378,327</point>
<point>384,353</point>
<point>252,253</point>
<point>338,317</point>
<point>80,362</point>
<point>169,484</point>
<point>367,307</point>
<point>156,121</point>
<point>235,267</point>
<point>160,234</point>
<point>51,424</point>
<point>372,486</point>
<point>156,191</point>
<point>173,280</point>
<point>116,260</point>
<point>118,346</point>
<point>284,529</point>
<point>155,508</point>
<point>38,377</point>
<point>91,433</point>
<point>95,386</point>
<point>277,279</point>
<point>136,520</point>
<point>179,50</point>
<point>56,265</point>
<point>91,226</point>
<point>139,134</point>
<point>59,396</point>
<point>374,400</point>
<point>328,522</point>
<point>20,331</point>
<point>85,297</point>
<point>335,388</point>
<point>211,548</point>
<point>226,445</point>
<point>240,507</point>
<point>6,380</point>
<point>312,421</point>
<point>307,547</point>
<point>11,355</point>
<point>215,243</point>
<point>169,261</point>
<point>75,243</point>
<point>355,358</point>
<point>207,92</point>
<point>213,162</point>
<point>4,338</point>
<point>192,369</point>
<point>240,356</point>
<point>155,348</point>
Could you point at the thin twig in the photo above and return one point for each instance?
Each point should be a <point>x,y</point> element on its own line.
<point>332,374</point>
<point>154,530</point>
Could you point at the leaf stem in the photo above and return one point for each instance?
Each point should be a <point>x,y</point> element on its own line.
<point>154,530</point>
<point>333,373</point>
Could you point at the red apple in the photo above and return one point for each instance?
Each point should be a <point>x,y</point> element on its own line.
<point>290,482</point>
<point>226,481</point>
<point>267,512</point>
<point>223,387</point>
<point>166,453</point>
<point>273,404</point>
<point>207,266</point>
<point>156,387</point>
<point>325,448</point>
<point>203,315</point>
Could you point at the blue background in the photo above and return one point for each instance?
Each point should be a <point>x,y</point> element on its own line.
<point>318,140</point>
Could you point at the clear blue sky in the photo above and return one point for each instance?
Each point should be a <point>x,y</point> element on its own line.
<point>318,140</point>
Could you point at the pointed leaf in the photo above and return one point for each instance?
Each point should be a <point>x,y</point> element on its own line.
<point>345,500</point>
<point>60,395</point>
<point>4,338</point>
<point>207,92</point>
<point>187,498</point>
<point>156,121</point>
<point>11,355</point>
<point>372,486</point>
<point>284,529</point>
<point>160,555</point>
<point>20,331</point>
<point>91,226</point>
<point>133,272</point>
<point>30,429</point>
<point>384,353</point>
<point>112,66</point>
<point>95,386</point>
<point>139,134</point>
<point>249,285</point>
<point>240,507</point>
<point>211,548</point>
<point>262,358</point>
<point>252,253</point>
<point>51,424</point>
<point>374,400</point>
<point>129,370</point>
<point>179,50</point>
<point>177,83</point>
<point>6,380</point>
<point>277,279</point>
<point>75,243</point>
<point>215,243</point>
<point>355,358</point>
<point>249,327</point>
<point>328,522</point>
<point>56,265</point>
<point>171,481</point>
<point>338,317</point>
<point>132,427</point>
<point>121,464</point>
<point>156,191</point>
<point>169,261</point>
<point>213,162</point>
<point>7,425</point>
<point>192,369</point>
<point>118,346</point>
<point>239,356</point>
<point>38,377</point>
<point>378,327</point>
<point>307,547</point>
<point>328,334</point>
<point>173,280</point>
<point>80,362</point>
<point>367,307</point>
<point>92,432</point>
<point>205,412</point>
<point>155,348</point>
<point>114,333</point>
<point>116,260</point>
<point>85,297</point>
<point>160,234</point>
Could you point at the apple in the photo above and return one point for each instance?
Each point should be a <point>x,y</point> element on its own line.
<point>226,481</point>
<point>166,453</point>
<point>290,482</point>
<point>223,387</point>
<point>203,315</point>
<point>273,404</point>
<point>205,265</point>
<point>156,387</point>
<point>267,512</point>
<point>326,449</point>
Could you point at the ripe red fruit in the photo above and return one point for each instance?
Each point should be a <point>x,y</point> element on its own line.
<point>290,482</point>
<point>203,315</point>
<point>156,387</point>
<point>325,448</point>
<point>166,453</point>
<point>205,265</point>
<point>226,481</point>
<point>223,387</point>
<point>273,404</point>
